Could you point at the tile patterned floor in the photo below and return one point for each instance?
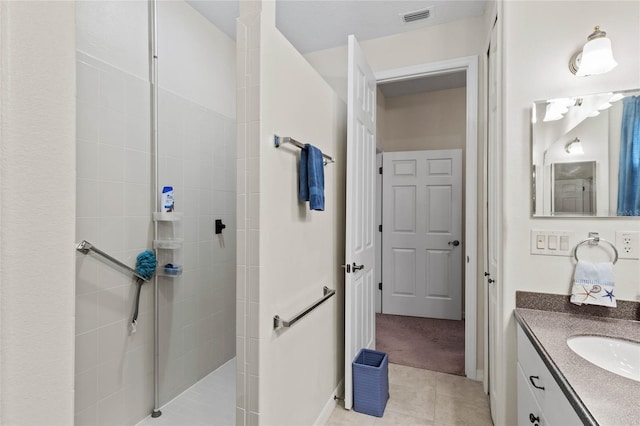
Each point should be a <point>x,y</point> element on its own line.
<point>423,397</point>
<point>211,401</point>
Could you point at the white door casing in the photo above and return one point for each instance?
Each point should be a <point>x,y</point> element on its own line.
<point>422,228</point>
<point>468,64</point>
<point>494,223</point>
<point>359,292</point>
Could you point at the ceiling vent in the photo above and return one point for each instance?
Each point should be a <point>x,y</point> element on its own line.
<point>416,15</point>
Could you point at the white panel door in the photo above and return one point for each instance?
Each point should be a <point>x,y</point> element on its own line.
<point>421,233</point>
<point>359,316</point>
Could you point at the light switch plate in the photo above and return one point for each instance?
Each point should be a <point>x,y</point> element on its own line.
<point>552,242</point>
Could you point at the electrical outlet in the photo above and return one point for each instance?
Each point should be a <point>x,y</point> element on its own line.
<point>628,244</point>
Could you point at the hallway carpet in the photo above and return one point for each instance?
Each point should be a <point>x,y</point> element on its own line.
<point>427,343</point>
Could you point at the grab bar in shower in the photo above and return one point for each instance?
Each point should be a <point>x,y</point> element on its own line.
<point>85,246</point>
<point>278,322</point>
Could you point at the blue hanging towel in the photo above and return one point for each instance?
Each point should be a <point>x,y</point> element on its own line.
<point>311,177</point>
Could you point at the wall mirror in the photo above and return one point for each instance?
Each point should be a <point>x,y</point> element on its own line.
<point>576,155</point>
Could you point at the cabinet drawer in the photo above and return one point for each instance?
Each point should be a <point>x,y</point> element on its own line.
<point>554,404</point>
<point>529,412</point>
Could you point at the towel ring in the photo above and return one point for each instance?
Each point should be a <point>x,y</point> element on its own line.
<point>595,241</point>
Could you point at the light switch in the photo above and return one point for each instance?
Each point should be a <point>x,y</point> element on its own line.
<point>551,242</point>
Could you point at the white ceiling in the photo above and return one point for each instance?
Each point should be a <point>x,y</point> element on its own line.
<point>312,25</point>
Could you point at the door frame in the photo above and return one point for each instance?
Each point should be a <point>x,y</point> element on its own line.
<point>470,65</point>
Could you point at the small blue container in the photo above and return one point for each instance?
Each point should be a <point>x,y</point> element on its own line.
<point>370,382</point>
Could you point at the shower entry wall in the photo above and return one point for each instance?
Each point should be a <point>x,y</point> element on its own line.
<point>116,196</point>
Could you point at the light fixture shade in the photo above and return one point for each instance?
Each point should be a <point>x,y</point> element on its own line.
<point>597,57</point>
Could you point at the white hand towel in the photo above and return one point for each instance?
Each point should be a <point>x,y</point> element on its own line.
<point>593,284</point>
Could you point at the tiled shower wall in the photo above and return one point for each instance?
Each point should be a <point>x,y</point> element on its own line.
<point>114,368</point>
<point>197,313</point>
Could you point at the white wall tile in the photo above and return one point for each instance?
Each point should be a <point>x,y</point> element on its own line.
<point>110,409</point>
<point>112,90</point>
<point>112,127</point>
<point>137,167</point>
<point>111,163</point>
<point>86,389</point>
<point>86,274</point>
<point>110,377</point>
<point>86,417</point>
<point>88,83</point>
<point>111,199</point>
<point>111,342</point>
<point>139,233</point>
<point>87,160</point>
<point>88,197</point>
<point>88,122</point>
<point>253,393</point>
<point>110,236</point>
<point>137,200</point>
<point>86,351</point>
<point>86,312</point>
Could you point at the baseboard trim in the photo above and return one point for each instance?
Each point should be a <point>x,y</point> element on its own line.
<point>330,405</point>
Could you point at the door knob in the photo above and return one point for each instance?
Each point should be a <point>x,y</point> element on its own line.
<point>533,418</point>
<point>491,281</point>
<point>357,267</point>
<point>454,243</point>
<point>486,274</point>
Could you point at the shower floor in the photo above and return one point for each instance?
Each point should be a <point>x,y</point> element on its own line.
<point>211,401</point>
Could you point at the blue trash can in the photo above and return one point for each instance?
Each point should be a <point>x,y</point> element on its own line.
<point>370,382</point>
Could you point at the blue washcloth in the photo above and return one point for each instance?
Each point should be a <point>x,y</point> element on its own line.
<point>311,177</point>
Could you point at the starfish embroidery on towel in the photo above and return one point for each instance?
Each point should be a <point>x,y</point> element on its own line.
<point>587,293</point>
<point>609,294</point>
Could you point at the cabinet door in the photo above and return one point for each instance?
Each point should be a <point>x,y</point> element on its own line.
<point>529,412</point>
<point>542,385</point>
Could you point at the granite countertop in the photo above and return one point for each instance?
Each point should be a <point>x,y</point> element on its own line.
<point>598,396</point>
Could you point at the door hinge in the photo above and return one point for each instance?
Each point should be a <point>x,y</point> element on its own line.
<point>379,228</point>
<point>379,286</point>
<point>380,170</point>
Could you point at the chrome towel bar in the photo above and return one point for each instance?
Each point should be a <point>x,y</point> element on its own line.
<point>277,141</point>
<point>85,246</point>
<point>278,322</point>
<point>593,240</point>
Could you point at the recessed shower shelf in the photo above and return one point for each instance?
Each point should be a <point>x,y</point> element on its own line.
<point>170,244</point>
<point>167,216</point>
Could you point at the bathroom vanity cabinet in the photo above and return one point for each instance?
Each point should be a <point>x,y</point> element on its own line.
<point>540,400</point>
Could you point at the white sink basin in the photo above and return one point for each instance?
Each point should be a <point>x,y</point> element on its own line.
<point>618,356</point>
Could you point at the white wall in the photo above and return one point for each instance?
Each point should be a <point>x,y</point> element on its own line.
<point>196,137</point>
<point>291,252</point>
<point>432,120</point>
<point>37,190</point>
<point>535,67</point>
<point>430,44</point>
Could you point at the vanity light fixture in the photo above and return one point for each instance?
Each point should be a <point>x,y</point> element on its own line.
<point>616,97</point>
<point>595,57</point>
<point>574,147</point>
